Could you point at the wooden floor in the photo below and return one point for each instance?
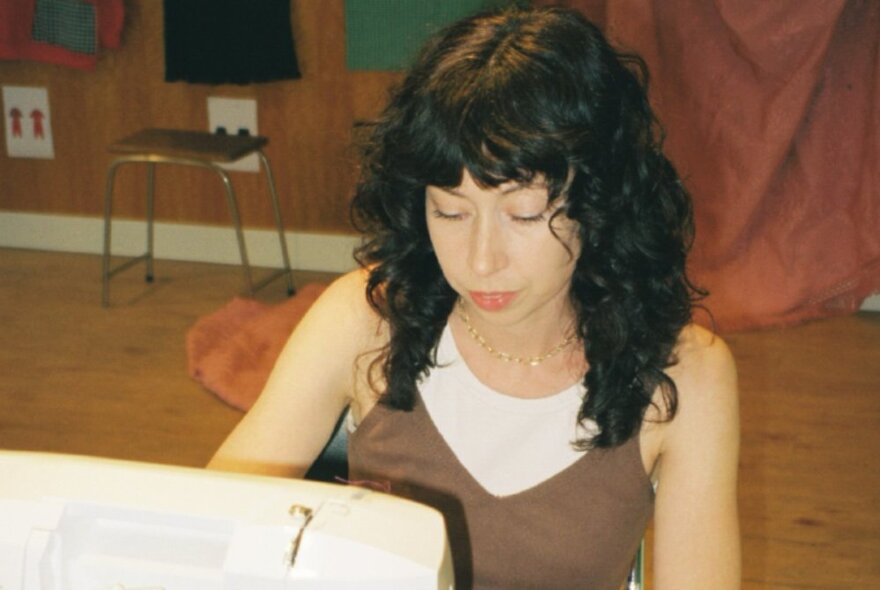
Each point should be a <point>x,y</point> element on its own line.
<point>77,378</point>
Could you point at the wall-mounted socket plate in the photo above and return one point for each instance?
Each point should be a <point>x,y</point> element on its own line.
<point>235,116</point>
<point>27,122</point>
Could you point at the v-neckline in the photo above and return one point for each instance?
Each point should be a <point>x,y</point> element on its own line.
<point>472,482</point>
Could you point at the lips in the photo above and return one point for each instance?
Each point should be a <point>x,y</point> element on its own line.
<point>492,300</point>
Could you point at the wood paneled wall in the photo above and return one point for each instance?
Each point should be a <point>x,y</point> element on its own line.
<point>309,122</point>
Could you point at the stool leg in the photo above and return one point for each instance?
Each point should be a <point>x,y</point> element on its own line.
<point>279,225</point>
<point>239,234</point>
<point>108,212</point>
<point>151,181</point>
<point>636,577</point>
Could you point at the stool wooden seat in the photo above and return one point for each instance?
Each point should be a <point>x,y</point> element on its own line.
<point>189,148</point>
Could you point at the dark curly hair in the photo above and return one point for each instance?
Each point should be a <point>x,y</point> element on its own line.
<point>510,96</point>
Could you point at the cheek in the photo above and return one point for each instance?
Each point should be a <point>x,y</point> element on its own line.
<point>561,243</point>
<point>568,241</point>
<point>436,237</point>
<point>566,259</point>
<point>574,250</point>
<point>445,245</point>
<point>556,261</point>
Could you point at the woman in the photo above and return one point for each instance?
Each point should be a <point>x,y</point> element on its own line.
<point>517,349</point>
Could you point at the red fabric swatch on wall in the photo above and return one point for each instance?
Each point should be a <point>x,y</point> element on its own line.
<point>20,39</point>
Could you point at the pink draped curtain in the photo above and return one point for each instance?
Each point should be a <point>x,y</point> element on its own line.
<point>772,112</point>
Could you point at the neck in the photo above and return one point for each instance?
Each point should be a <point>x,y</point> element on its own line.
<point>533,352</point>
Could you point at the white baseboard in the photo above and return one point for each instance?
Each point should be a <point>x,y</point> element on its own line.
<point>176,241</point>
<point>872,303</point>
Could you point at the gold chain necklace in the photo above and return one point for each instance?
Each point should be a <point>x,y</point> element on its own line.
<point>531,361</point>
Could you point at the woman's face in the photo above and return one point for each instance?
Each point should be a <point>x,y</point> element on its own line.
<point>496,249</point>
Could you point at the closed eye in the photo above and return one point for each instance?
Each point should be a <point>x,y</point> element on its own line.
<point>448,216</point>
<point>529,219</point>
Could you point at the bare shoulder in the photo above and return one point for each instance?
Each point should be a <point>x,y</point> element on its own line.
<point>696,531</point>
<point>343,308</point>
<point>701,356</point>
<point>705,377</point>
<point>347,294</point>
<point>344,316</point>
<point>309,387</point>
<point>337,330</point>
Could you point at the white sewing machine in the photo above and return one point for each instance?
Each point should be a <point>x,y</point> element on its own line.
<point>80,523</point>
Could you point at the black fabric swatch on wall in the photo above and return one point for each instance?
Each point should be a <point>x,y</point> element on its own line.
<point>229,41</point>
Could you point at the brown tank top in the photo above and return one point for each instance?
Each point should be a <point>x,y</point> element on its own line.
<point>577,529</point>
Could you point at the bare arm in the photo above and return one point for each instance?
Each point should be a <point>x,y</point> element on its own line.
<point>696,528</point>
<point>308,388</point>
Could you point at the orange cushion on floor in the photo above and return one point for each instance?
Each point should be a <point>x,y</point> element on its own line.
<point>232,351</point>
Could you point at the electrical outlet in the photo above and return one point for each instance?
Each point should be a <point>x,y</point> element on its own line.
<point>27,122</point>
<point>235,116</point>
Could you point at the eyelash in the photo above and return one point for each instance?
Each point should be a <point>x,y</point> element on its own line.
<point>451,217</point>
<point>533,219</point>
<point>457,216</point>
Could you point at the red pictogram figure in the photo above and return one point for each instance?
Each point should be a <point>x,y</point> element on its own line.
<point>15,115</point>
<point>37,115</point>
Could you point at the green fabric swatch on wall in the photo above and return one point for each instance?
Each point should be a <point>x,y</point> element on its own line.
<point>386,34</point>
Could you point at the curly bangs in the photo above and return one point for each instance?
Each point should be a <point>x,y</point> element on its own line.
<point>507,96</point>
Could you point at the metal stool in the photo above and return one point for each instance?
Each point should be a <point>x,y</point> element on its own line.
<point>189,148</point>
<point>636,578</point>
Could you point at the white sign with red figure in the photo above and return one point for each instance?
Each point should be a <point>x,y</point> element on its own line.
<point>27,122</point>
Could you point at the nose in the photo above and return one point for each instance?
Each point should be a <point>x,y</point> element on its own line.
<point>488,251</point>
